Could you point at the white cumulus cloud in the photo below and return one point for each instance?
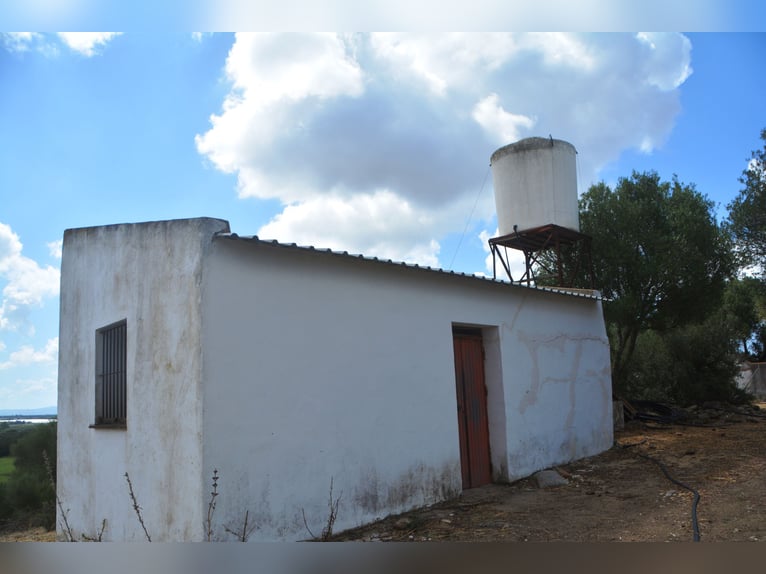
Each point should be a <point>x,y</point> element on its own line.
<point>441,62</point>
<point>28,355</point>
<point>669,61</point>
<point>277,83</point>
<point>512,257</point>
<point>27,284</point>
<point>392,227</point>
<point>87,43</point>
<point>560,49</point>
<point>344,128</point>
<point>54,247</point>
<point>18,41</point>
<point>504,126</point>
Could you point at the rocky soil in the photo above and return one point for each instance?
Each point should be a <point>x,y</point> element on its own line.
<point>619,495</point>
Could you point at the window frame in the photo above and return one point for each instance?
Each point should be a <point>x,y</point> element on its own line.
<point>111,376</point>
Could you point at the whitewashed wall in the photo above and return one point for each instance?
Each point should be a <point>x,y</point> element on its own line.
<point>150,275</point>
<point>319,367</point>
<point>752,378</point>
<point>285,369</point>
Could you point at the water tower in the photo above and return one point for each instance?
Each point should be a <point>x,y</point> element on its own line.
<point>535,182</point>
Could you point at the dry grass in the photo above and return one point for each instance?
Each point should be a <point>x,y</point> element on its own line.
<point>38,534</point>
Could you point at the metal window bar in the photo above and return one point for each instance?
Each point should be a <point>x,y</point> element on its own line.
<point>113,374</point>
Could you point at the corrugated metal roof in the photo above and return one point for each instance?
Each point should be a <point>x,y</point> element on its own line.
<point>584,293</point>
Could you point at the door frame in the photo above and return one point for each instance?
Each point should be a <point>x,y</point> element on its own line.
<point>473,415</point>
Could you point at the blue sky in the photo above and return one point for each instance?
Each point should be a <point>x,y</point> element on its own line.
<point>377,144</point>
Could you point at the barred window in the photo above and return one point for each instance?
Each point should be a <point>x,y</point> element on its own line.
<point>111,361</point>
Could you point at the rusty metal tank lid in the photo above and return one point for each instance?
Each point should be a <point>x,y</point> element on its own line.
<point>529,144</point>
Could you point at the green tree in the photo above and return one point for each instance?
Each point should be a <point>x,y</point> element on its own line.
<point>27,496</point>
<point>747,213</point>
<point>28,450</point>
<point>687,364</point>
<point>745,306</point>
<point>661,260</point>
<point>9,434</point>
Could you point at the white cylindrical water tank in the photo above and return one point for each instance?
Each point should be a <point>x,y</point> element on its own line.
<point>535,182</point>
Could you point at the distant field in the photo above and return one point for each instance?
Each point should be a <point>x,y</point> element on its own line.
<point>6,468</point>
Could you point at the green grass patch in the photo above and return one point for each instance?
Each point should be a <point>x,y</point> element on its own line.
<point>6,468</point>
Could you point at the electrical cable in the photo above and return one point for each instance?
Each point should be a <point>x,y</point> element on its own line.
<point>673,416</point>
<point>695,501</point>
<point>666,472</point>
<point>468,222</point>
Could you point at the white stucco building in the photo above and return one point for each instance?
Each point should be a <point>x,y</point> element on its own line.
<point>185,348</point>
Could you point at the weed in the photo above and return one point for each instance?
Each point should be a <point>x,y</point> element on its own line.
<point>331,517</point>
<point>136,507</point>
<point>65,526</point>
<point>211,507</point>
<point>246,531</point>
<point>97,537</point>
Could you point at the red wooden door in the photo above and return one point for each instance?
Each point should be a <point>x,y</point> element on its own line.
<point>472,409</point>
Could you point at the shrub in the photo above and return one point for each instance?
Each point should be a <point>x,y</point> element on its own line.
<point>687,365</point>
<point>27,497</point>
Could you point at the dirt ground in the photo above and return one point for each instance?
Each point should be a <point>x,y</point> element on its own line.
<point>615,496</point>
<point>31,535</point>
<point>618,495</point>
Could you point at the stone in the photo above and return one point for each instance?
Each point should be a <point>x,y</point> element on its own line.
<point>548,478</point>
<point>403,523</point>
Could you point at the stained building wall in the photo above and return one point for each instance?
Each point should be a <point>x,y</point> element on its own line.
<point>323,368</point>
<point>149,275</point>
<point>287,370</point>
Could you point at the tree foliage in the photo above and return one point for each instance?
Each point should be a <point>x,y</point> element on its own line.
<point>28,496</point>
<point>661,260</point>
<point>747,213</point>
<point>745,305</point>
<point>28,450</point>
<point>10,434</point>
<point>689,364</point>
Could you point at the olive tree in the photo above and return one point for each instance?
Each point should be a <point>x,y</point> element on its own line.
<point>661,260</point>
<point>747,213</point>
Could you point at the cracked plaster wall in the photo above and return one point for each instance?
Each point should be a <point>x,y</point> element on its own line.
<point>321,368</point>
